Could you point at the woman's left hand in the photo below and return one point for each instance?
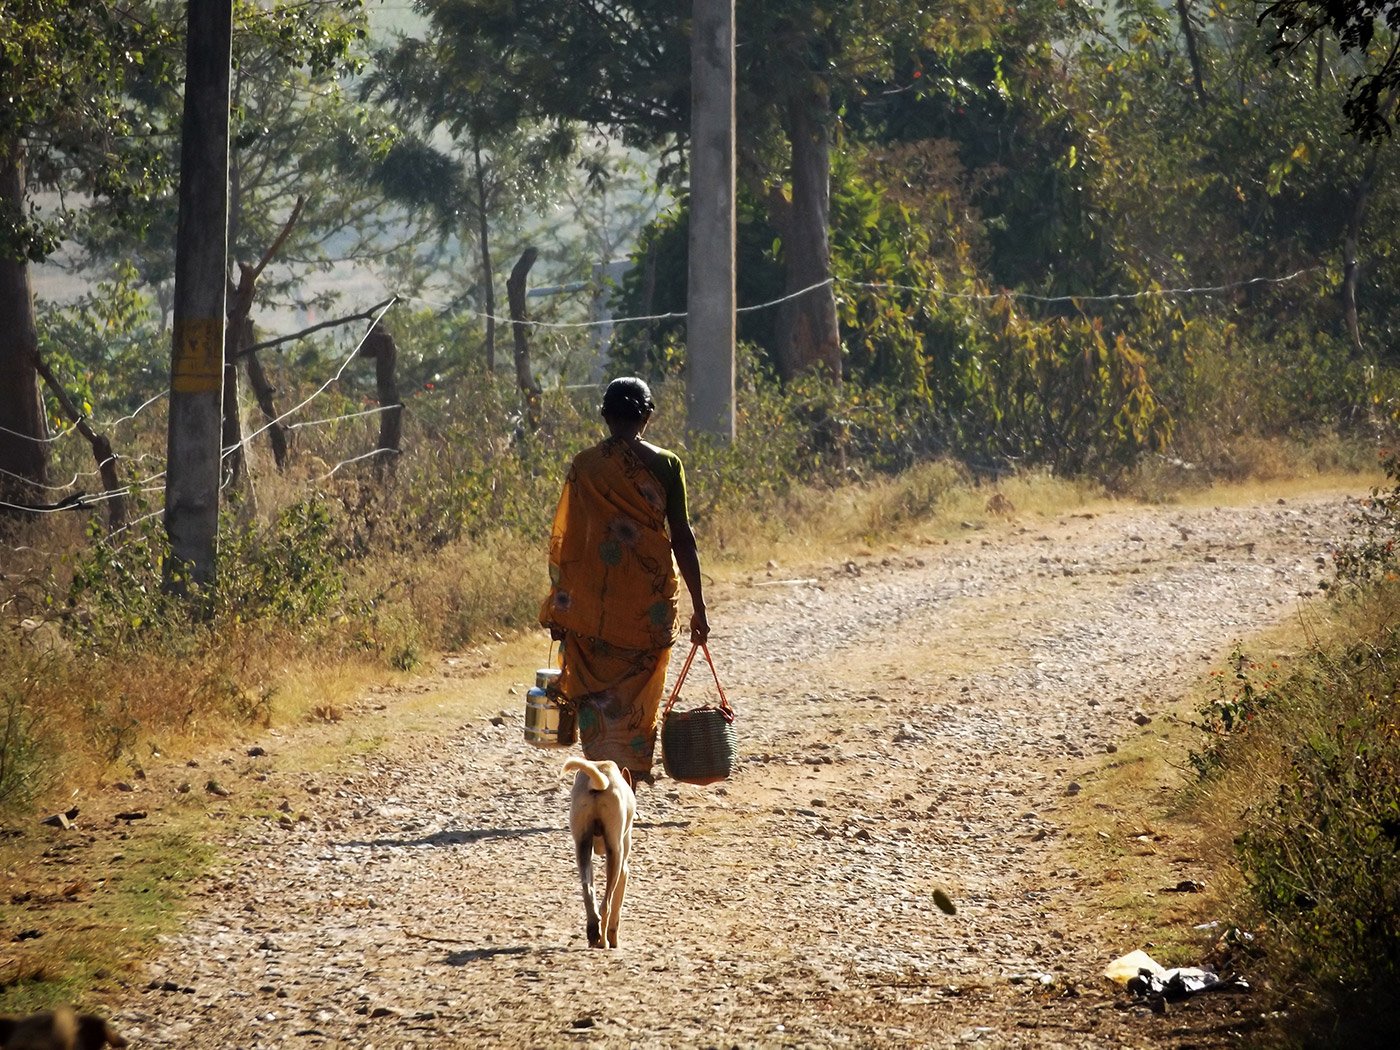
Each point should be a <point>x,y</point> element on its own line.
<point>699,628</point>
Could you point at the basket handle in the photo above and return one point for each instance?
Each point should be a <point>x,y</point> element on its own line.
<point>724,707</point>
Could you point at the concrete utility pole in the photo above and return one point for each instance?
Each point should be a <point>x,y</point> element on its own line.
<point>201,281</point>
<point>710,325</point>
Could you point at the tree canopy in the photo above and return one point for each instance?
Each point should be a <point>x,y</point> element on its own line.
<point>1365,30</point>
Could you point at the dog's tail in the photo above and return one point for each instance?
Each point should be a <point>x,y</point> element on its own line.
<point>573,765</point>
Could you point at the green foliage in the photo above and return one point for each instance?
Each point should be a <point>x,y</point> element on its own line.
<point>812,432</point>
<point>1233,705</point>
<point>657,285</point>
<point>288,572</point>
<point>296,132</point>
<point>105,346</point>
<point>1311,756</point>
<point>1365,31</point>
<point>1061,392</point>
<point>887,259</point>
<point>69,114</point>
<point>1372,552</point>
<point>1322,856</point>
<point>115,591</point>
<point>988,382</point>
<point>984,129</point>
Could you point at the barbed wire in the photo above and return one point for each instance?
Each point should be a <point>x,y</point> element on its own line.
<point>66,485</point>
<point>349,415</point>
<point>323,387</point>
<point>34,550</point>
<point>78,501</point>
<point>498,319</point>
<point>82,501</point>
<point>97,424</point>
<point>1114,297</point>
<point>145,485</point>
<point>49,440</point>
<point>356,459</point>
<point>678,315</point>
<point>128,526</point>
<point>133,414</point>
<point>673,315</point>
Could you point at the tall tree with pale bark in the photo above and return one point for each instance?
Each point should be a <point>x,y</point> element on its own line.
<point>69,124</point>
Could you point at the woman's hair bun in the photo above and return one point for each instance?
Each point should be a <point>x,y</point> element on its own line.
<point>627,398</point>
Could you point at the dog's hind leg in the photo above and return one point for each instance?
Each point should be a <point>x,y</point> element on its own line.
<point>616,888</point>
<point>584,849</point>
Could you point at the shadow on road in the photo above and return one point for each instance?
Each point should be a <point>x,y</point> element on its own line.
<point>458,838</point>
<point>471,955</point>
<point>465,837</point>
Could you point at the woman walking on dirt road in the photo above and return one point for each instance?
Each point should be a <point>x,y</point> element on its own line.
<point>620,533</point>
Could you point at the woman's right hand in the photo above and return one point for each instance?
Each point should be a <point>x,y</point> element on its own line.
<point>699,628</point>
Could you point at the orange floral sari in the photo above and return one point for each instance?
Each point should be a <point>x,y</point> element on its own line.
<point>614,595</point>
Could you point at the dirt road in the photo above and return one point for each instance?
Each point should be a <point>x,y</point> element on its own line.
<point>911,720</point>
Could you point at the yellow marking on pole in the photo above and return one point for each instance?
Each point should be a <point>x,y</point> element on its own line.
<point>197,366</point>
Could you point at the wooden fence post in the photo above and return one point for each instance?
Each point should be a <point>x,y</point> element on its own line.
<point>240,341</point>
<point>101,447</point>
<point>262,390</point>
<point>379,344</point>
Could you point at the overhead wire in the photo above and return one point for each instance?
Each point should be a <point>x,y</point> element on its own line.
<point>377,314</point>
<point>1115,297</point>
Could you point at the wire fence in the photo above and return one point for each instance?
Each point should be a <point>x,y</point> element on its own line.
<point>147,485</point>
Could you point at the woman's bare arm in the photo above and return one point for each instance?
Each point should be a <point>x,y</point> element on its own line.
<point>688,561</point>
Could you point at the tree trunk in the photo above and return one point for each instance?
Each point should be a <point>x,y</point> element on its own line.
<point>263,391</point>
<point>487,276</point>
<point>237,338</point>
<point>648,296</point>
<point>23,450</point>
<point>1360,198</point>
<point>524,378</point>
<point>809,337</point>
<point>231,437</point>
<point>101,448</point>
<point>240,306</point>
<point>1188,33</point>
<point>379,344</point>
<point>238,342</point>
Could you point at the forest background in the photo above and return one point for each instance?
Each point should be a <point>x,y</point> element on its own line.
<point>1141,246</point>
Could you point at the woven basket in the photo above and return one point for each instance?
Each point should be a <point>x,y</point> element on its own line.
<point>699,746</point>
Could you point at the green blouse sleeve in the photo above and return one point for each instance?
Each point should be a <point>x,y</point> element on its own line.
<point>673,482</point>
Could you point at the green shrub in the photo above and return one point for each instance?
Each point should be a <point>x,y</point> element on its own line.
<point>1322,858</point>
<point>1317,757</point>
<point>1371,554</point>
<point>115,593</point>
<point>1232,706</point>
<point>287,572</point>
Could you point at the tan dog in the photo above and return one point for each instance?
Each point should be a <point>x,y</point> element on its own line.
<point>60,1029</point>
<point>601,809</point>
